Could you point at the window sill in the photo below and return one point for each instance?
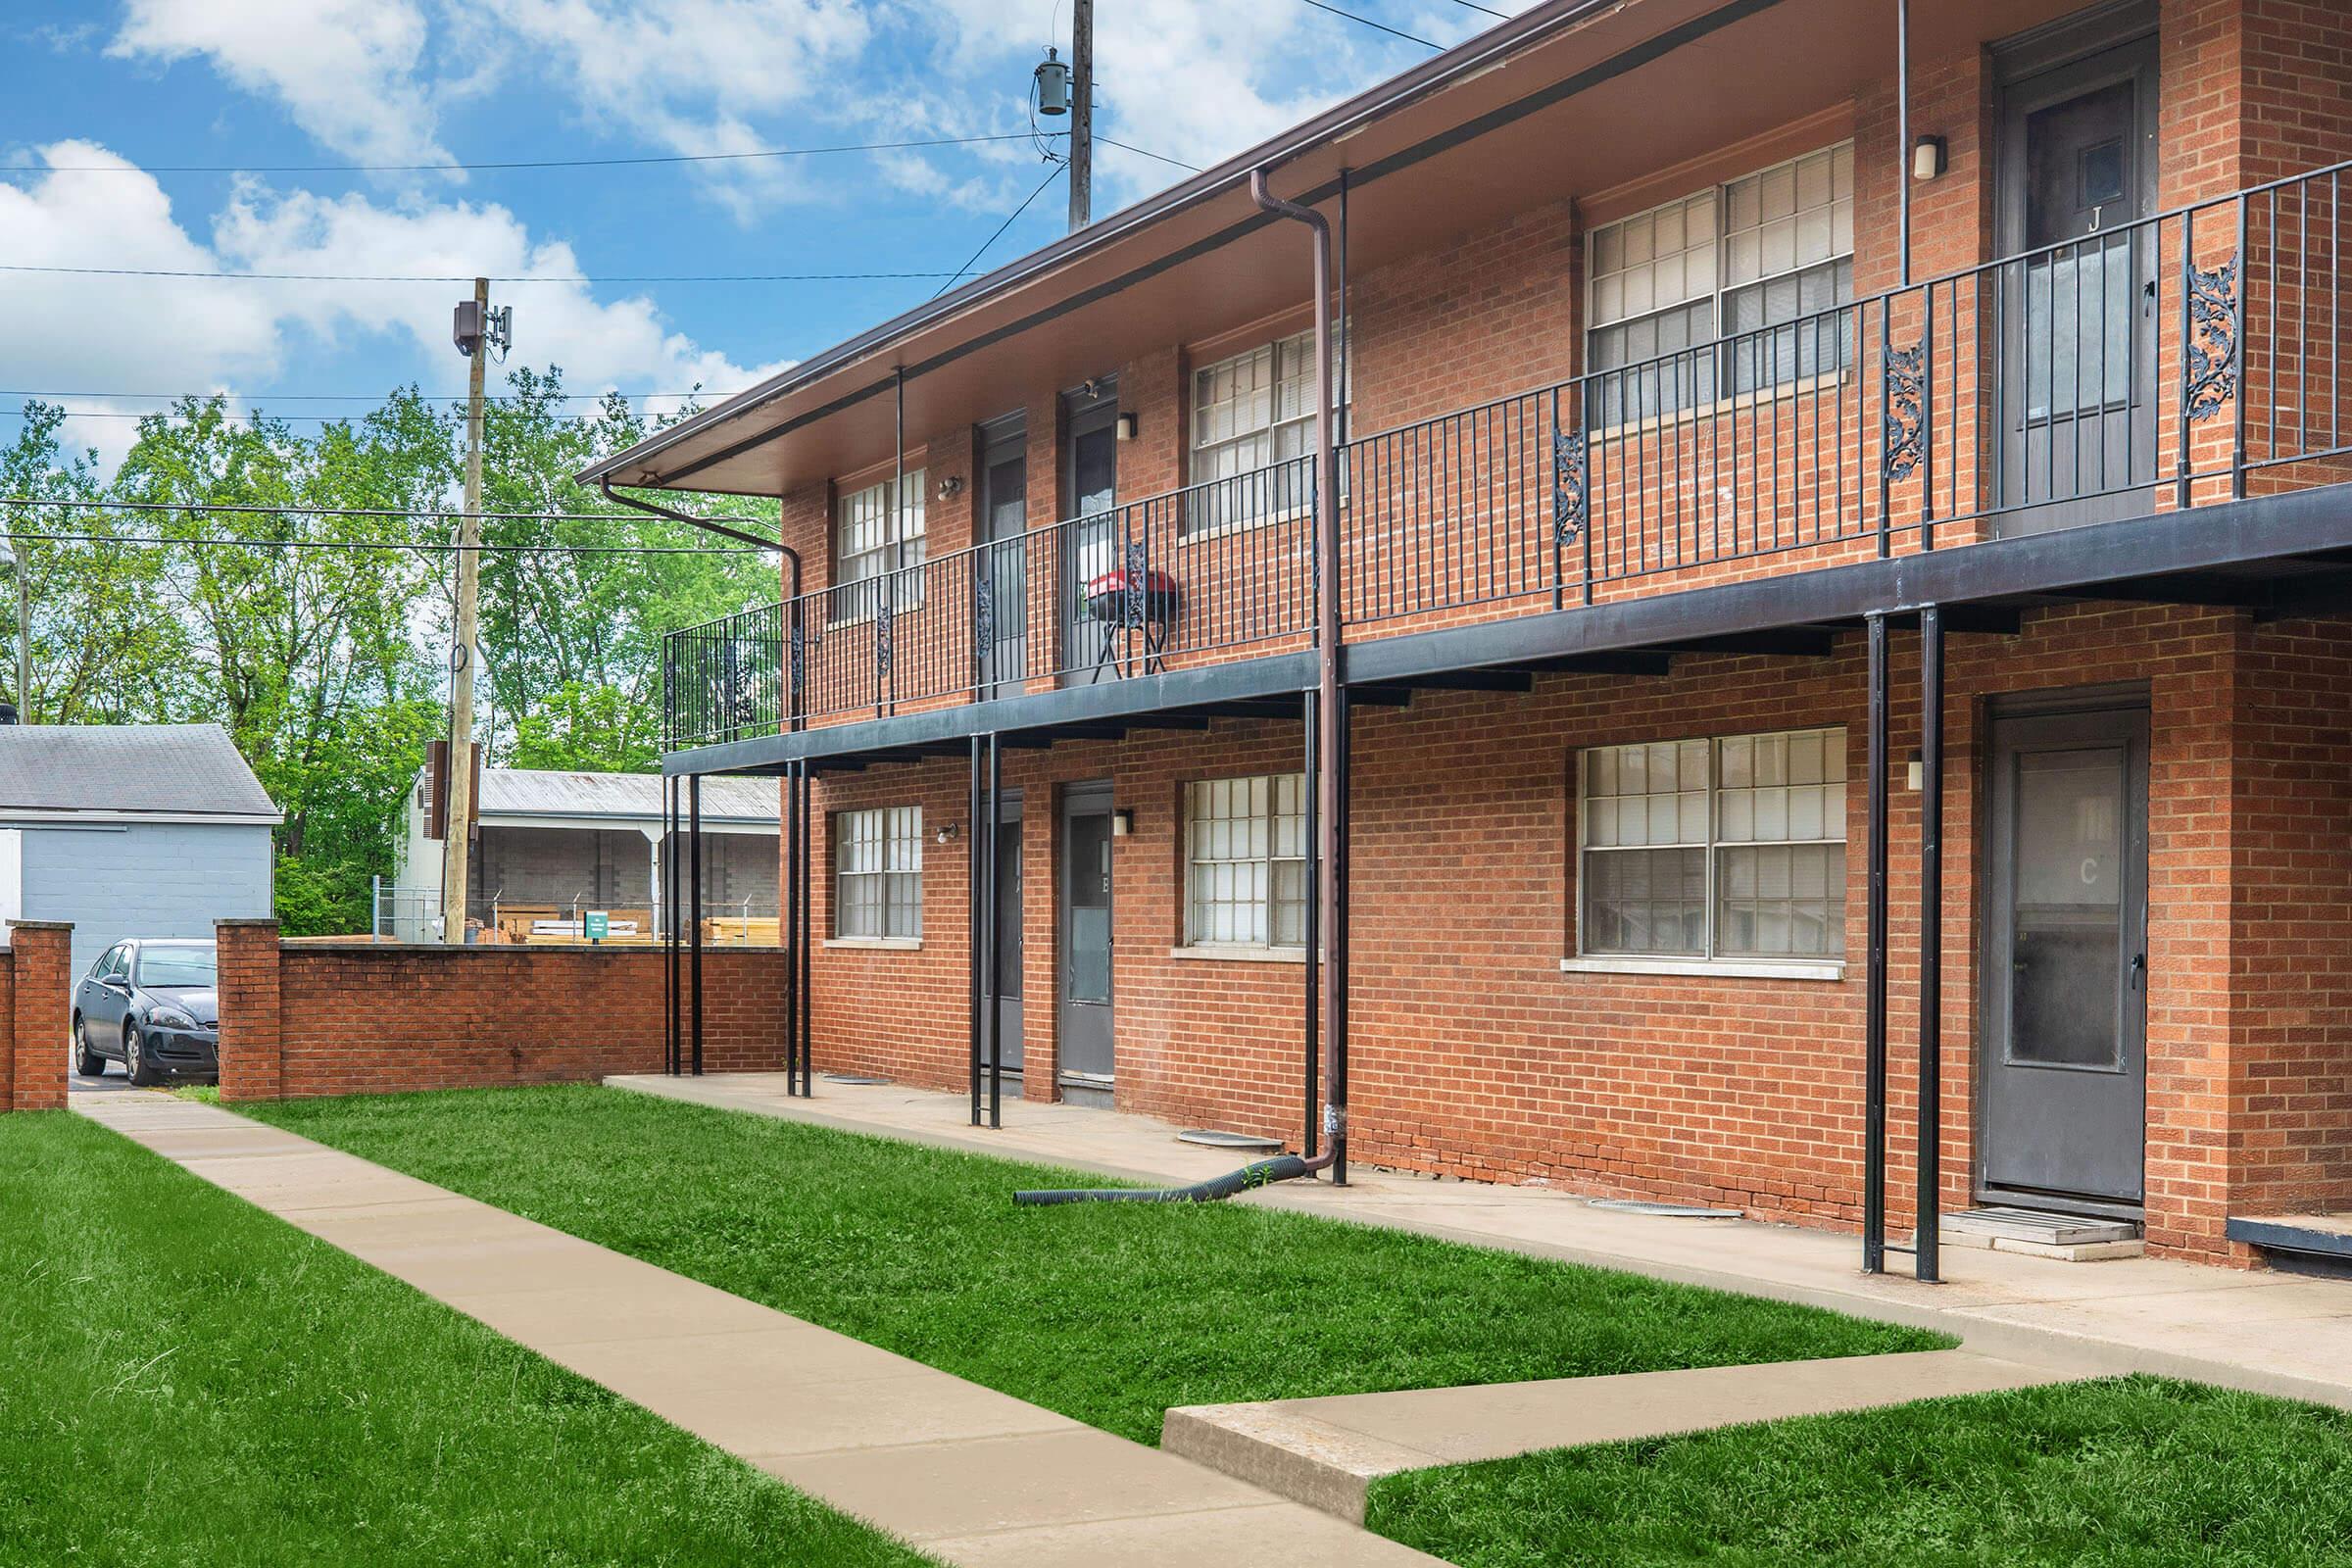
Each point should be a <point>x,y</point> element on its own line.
<point>1717,968</point>
<point>877,943</point>
<point>1209,952</point>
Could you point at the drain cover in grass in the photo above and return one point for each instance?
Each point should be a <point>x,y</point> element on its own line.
<point>1223,1140</point>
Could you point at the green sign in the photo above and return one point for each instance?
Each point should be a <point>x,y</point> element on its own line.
<point>598,926</point>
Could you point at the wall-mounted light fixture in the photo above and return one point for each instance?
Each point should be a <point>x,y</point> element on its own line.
<point>1122,823</point>
<point>1926,158</point>
<point>1125,427</point>
<point>951,485</point>
<point>947,832</point>
<point>1914,771</point>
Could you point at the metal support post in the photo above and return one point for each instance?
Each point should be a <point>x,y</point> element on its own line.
<point>1927,1254</point>
<point>1874,1026</point>
<point>1315,942</point>
<point>694,916</point>
<point>786,928</point>
<point>995,1020</point>
<point>972,894</point>
<point>669,926</point>
<point>1336,844</point>
<point>803,997</point>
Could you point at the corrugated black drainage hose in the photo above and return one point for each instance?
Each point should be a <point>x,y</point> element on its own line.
<point>1261,1173</point>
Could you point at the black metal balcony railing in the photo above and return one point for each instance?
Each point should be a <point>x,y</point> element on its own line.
<point>1115,593</point>
<point>2164,363</point>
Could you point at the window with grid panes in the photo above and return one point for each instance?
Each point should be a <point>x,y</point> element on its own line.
<point>1250,412</point>
<point>1732,847</point>
<point>870,540</point>
<point>1246,860</point>
<point>1687,292</point>
<point>878,873</point>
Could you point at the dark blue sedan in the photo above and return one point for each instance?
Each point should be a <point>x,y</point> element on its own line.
<point>152,1005</point>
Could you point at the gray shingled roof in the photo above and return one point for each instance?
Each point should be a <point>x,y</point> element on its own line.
<point>534,791</point>
<point>163,770</point>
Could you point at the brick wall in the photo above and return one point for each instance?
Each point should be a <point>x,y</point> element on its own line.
<point>332,1018</point>
<point>1474,1054</point>
<point>37,990</point>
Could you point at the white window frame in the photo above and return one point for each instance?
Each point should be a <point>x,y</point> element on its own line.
<point>895,835</point>
<point>1710,959</point>
<point>899,543</point>
<point>1208,513</point>
<point>1716,202</point>
<point>1272,819</point>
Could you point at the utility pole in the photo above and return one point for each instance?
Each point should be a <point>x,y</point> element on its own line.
<point>15,557</point>
<point>1082,113</point>
<point>473,332</point>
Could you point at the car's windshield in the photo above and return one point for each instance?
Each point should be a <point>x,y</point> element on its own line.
<point>175,966</point>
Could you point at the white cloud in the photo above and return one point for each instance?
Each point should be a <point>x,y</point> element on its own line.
<point>91,334</point>
<point>351,72</point>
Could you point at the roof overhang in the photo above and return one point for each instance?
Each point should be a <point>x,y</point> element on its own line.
<point>67,817</point>
<point>1570,98</point>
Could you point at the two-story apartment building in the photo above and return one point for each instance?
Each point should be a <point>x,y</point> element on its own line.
<point>1838,589</point>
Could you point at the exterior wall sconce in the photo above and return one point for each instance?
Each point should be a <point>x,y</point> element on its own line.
<point>1928,158</point>
<point>1122,823</point>
<point>948,833</point>
<point>1915,773</point>
<point>951,485</point>
<point>1125,427</point>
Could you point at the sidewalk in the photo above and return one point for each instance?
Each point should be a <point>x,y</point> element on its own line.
<point>969,1475</point>
<point>2266,1331</point>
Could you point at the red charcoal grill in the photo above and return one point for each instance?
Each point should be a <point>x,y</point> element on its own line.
<point>1123,613</point>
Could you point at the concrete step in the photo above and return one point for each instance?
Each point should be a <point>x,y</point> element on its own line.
<point>2038,1233</point>
<point>1326,1453</point>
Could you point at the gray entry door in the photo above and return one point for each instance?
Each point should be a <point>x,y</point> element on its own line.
<point>1004,566</point>
<point>2077,327</point>
<point>1009,936</point>
<point>1090,542</point>
<point>1087,1053</point>
<point>2066,962</point>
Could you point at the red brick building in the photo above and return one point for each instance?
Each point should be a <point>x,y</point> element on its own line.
<point>1701,373</point>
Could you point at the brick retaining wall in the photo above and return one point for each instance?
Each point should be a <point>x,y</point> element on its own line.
<point>312,1018</point>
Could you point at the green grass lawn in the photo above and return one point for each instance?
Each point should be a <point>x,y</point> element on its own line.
<point>185,1380</point>
<point>1109,1313</point>
<point>2129,1473</point>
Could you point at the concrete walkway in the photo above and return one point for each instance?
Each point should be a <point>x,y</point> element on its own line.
<point>2264,1330</point>
<point>1326,1453</point>
<point>968,1474</point>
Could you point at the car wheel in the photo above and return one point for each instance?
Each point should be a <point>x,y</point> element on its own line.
<point>86,1060</point>
<point>135,1058</point>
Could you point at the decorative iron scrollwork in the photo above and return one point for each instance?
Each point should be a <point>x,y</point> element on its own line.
<point>1571,485</point>
<point>1137,587</point>
<point>2209,359</point>
<point>885,618</point>
<point>1906,423</point>
<point>984,610</point>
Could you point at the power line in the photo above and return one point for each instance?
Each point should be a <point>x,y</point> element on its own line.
<point>1379,27</point>
<point>455,278</point>
<point>523,163</point>
<point>414,547</point>
<point>1050,175</point>
<point>275,509</point>
<point>364,397</point>
<point>1126,147</point>
<point>1472,5</point>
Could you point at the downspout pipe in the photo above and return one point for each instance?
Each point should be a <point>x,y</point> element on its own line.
<point>791,558</point>
<point>1290,1167</point>
<point>1330,807</point>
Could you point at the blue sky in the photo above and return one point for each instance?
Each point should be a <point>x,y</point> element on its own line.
<point>97,101</point>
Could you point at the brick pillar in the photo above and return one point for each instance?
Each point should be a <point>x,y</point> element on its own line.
<point>41,1009</point>
<point>251,1066</point>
